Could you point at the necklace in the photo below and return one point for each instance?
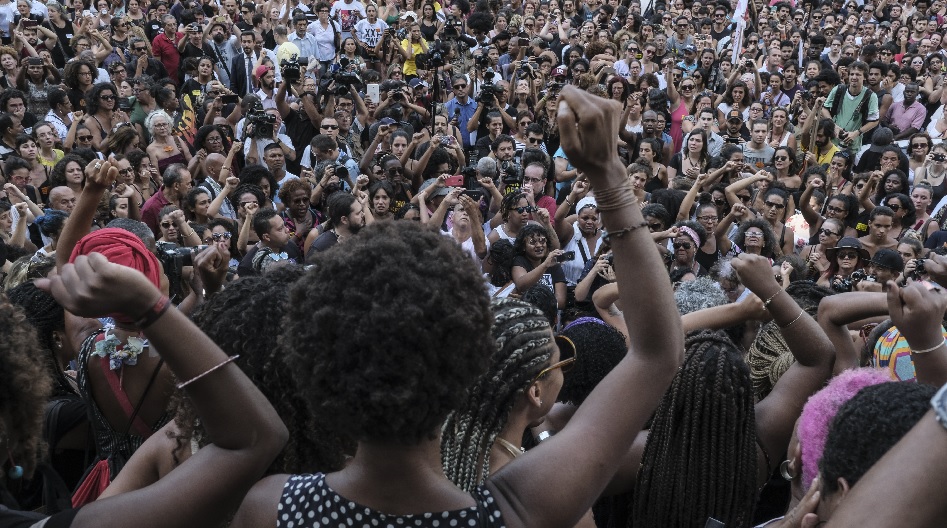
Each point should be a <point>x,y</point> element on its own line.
<point>510,448</point>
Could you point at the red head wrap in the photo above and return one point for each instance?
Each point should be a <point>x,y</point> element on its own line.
<point>120,247</point>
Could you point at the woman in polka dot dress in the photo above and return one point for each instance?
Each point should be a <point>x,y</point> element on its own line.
<point>386,357</point>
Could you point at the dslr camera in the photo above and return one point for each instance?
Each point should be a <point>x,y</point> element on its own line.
<point>292,68</point>
<point>262,122</point>
<point>512,172</point>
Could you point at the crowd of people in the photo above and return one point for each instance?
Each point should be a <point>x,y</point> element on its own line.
<point>567,263</point>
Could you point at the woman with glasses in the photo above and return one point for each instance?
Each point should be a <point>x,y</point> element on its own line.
<point>919,146</point>
<point>519,388</point>
<point>680,103</point>
<point>816,255</point>
<point>707,216</point>
<point>172,226</point>
<point>209,139</point>
<point>165,149</point>
<point>536,262</point>
<point>103,115</point>
<point>845,258</point>
<point>688,237</point>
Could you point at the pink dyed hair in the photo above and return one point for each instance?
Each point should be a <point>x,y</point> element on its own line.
<point>821,408</point>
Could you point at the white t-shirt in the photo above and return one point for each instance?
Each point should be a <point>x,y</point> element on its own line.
<point>369,33</point>
<point>347,13</point>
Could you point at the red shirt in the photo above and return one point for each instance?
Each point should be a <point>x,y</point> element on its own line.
<point>167,52</point>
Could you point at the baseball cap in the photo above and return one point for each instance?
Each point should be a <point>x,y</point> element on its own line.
<point>734,115</point>
<point>888,258</point>
<point>260,71</point>
<point>690,49</point>
<point>409,14</point>
<point>559,72</point>
<point>414,83</point>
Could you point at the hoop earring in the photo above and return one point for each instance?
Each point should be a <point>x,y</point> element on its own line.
<point>784,470</point>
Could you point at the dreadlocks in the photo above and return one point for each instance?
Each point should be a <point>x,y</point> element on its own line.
<point>700,458</point>
<point>46,316</point>
<point>523,340</point>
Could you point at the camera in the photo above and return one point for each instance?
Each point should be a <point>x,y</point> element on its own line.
<point>453,27</point>
<point>489,92</point>
<point>173,258</point>
<point>292,68</point>
<point>435,57</point>
<point>262,122</point>
<point>566,257</point>
<point>843,285</point>
<point>343,76</point>
<point>512,172</point>
<point>528,69</point>
<point>938,157</point>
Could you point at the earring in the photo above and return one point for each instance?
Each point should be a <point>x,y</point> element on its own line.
<point>784,470</point>
<point>15,472</point>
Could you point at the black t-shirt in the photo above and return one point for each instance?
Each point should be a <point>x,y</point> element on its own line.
<point>245,269</point>
<point>300,130</point>
<point>62,51</point>
<point>323,242</point>
<point>549,279</point>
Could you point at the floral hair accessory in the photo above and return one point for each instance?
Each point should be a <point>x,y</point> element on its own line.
<point>118,357</point>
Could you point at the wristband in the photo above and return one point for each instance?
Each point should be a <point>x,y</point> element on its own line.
<point>153,313</point>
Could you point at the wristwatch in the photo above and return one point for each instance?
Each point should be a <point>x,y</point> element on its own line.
<point>939,406</point>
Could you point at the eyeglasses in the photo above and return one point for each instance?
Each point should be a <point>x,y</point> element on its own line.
<point>836,210</point>
<point>567,357</point>
<point>707,218</point>
<point>214,139</point>
<point>395,170</point>
<point>753,234</point>
<point>85,72</point>
<point>221,236</point>
<point>526,209</point>
<point>826,232</point>
<point>329,127</point>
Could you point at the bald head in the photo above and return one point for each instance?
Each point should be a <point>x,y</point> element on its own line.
<point>213,164</point>
<point>62,199</point>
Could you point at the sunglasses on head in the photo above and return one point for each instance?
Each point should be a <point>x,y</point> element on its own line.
<point>567,358</point>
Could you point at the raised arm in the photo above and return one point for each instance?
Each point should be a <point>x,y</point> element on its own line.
<point>619,406</point>
<point>777,413</point>
<point>245,431</point>
<point>838,311</point>
<point>811,216</point>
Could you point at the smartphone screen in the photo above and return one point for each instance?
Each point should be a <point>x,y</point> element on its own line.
<point>373,92</point>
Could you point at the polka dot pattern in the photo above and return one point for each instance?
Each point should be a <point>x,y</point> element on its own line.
<point>308,502</point>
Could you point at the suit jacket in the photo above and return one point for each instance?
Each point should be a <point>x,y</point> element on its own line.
<point>238,75</point>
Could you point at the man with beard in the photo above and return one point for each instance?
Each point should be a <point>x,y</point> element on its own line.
<point>141,63</point>
<point>275,244</point>
<point>241,67</point>
<point>267,91</point>
<point>877,71</point>
<point>347,215</point>
<point>31,39</point>
<point>824,149</point>
<point>649,129</point>
<point>223,45</point>
<point>193,45</point>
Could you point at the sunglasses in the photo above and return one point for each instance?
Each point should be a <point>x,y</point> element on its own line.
<point>655,227</point>
<point>836,210</point>
<point>129,170</point>
<point>743,198</point>
<point>459,86</point>
<point>139,50</point>
<point>683,245</point>
<point>107,97</point>
<point>847,256</point>
<point>526,209</point>
<point>329,127</point>
<point>221,236</point>
<point>567,357</point>
<point>166,225</point>
<point>687,87</point>
<point>894,207</point>
<point>84,138</point>
<point>753,234</point>
<point>826,232</point>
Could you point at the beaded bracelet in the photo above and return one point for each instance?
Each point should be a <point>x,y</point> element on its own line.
<point>771,297</point>
<point>607,236</point>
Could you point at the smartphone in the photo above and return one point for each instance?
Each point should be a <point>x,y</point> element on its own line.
<point>448,140</point>
<point>229,99</point>
<point>474,194</point>
<point>373,92</point>
<point>566,257</point>
<point>456,180</point>
<point>30,23</point>
<point>124,104</point>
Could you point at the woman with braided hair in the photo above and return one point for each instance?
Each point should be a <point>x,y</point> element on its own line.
<point>711,445</point>
<point>392,391</point>
<point>517,391</point>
